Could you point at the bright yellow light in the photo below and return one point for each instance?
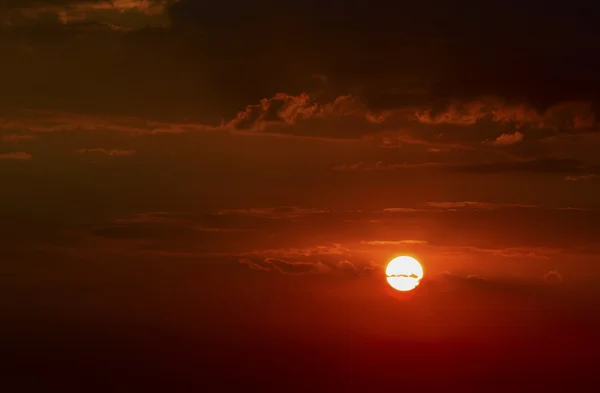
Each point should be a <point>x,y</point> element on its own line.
<point>404,273</point>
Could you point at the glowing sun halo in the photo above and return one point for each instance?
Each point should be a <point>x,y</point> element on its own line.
<point>404,273</point>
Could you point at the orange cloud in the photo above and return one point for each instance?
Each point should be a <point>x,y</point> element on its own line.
<point>381,166</point>
<point>475,205</point>
<point>306,267</point>
<point>296,116</point>
<point>581,177</point>
<point>254,265</point>
<point>284,267</point>
<point>113,14</point>
<point>401,210</point>
<point>108,152</point>
<point>394,242</point>
<point>281,212</point>
<point>569,115</point>
<point>50,121</point>
<point>459,206</point>
<point>284,109</point>
<point>398,141</point>
<point>508,139</point>
<point>281,108</point>
<point>348,167</point>
<point>457,113</point>
<point>16,138</point>
<point>345,119</point>
<point>319,250</point>
<point>19,156</point>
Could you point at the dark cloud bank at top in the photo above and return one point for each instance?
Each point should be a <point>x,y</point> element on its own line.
<point>208,60</point>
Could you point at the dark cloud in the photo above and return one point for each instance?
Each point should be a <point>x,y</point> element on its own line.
<point>474,205</point>
<point>453,206</point>
<point>16,138</point>
<point>506,237</point>
<point>210,62</point>
<point>77,14</point>
<point>575,169</point>
<point>301,267</point>
<point>280,212</point>
<point>581,177</point>
<point>19,156</point>
<point>477,56</point>
<point>441,124</point>
<point>487,125</point>
<point>508,139</point>
<point>50,3</point>
<point>394,242</point>
<point>345,118</point>
<point>285,267</point>
<point>107,152</point>
<point>545,165</point>
<point>254,265</point>
<point>163,233</point>
<point>145,232</point>
<point>294,267</point>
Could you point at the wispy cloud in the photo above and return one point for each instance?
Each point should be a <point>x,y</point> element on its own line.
<point>459,206</point>
<point>120,14</point>
<point>475,205</point>
<point>394,242</point>
<point>291,252</point>
<point>107,152</point>
<point>346,119</point>
<point>507,139</point>
<point>581,177</point>
<point>52,121</point>
<point>549,165</point>
<point>280,212</point>
<point>306,267</point>
<point>16,138</point>
<point>569,115</point>
<point>382,166</point>
<point>542,165</point>
<point>19,156</point>
<point>169,219</point>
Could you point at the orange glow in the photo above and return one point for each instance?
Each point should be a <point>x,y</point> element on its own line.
<point>404,273</point>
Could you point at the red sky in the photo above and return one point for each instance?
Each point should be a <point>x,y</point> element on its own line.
<point>199,189</point>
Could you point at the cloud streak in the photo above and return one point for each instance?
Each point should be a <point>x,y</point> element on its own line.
<point>305,268</point>
<point>541,165</point>
<point>348,118</point>
<point>581,177</point>
<point>119,14</point>
<point>17,156</point>
<point>508,139</point>
<point>107,152</point>
<point>394,242</point>
<point>280,212</point>
<point>10,138</point>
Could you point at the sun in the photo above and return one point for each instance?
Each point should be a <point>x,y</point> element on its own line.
<point>404,273</point>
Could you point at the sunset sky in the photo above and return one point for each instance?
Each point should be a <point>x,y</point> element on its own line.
<point>205,182</point>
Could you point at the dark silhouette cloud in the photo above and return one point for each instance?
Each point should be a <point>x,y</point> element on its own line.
<point>545,165</point>
<point>391,55</point>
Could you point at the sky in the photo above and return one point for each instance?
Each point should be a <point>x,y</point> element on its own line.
<point>207,192</point>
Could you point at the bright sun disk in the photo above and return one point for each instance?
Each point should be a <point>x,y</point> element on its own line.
<point>404,273</point>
